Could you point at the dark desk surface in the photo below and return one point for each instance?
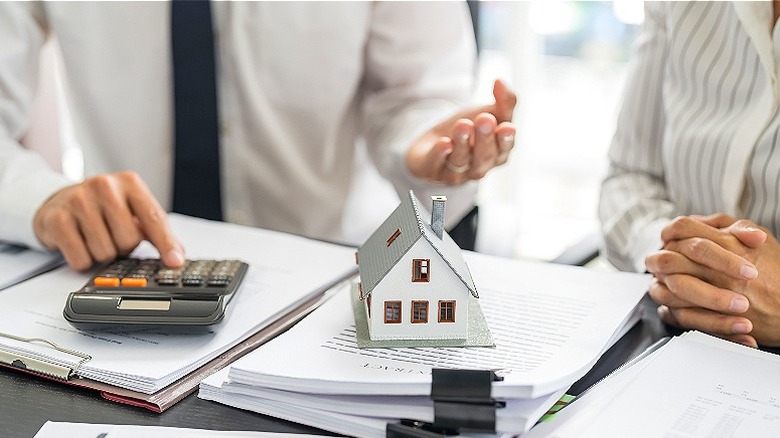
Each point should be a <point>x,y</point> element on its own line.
<point>27,402</point>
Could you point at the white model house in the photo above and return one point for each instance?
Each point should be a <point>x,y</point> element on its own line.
<point>414,283</point>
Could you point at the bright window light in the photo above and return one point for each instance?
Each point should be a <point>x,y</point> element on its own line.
<point>629,11</point>
<point>552,17</point>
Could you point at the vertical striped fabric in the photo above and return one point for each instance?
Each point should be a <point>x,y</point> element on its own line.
<point>698,128</point>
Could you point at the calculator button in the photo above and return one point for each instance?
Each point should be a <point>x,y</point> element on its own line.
<point>192,280</point>
<point>134,282</point>
<point>168,281</point>
<point>169,277</point>
<point>107,281</point>
<point>219,280</point>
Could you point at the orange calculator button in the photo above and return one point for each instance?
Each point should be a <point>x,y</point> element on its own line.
<point>107,281</point>
<point>134,282</point>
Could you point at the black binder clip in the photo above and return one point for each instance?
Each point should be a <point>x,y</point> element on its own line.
<point>461,402</point>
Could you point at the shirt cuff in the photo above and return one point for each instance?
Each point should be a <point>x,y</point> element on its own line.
<point>20,200</point>
<point>647,241</point>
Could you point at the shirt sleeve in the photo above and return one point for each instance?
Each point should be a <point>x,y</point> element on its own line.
<point>26,181</point>
<point>634,205</point>
<point>420,60</point>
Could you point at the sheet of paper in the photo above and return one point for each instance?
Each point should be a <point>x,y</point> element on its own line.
<point>19,263</point>
<point>550,323</point>
<point>578,414</point>
<point>284,269</point>
<point>53,429</point>
<point>696,385</point>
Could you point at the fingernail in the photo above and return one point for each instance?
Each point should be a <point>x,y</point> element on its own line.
<point>484,128</point>
<point>463,137</point>
<point>176,257</point>
<point>509,138</point>
<point>739,305</point>
<point>748,271</point>
<point>741,328</point>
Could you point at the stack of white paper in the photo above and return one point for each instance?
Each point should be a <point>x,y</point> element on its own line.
<point>550,323</point>
<point>284,270</point>
<point>695,385</point>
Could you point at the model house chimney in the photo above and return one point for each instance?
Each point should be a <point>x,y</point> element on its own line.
<point>437,214</point>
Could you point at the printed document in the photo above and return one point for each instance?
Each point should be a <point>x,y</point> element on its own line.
<point>550,323</point>
<point>284,270</point>
<point>694,386</point>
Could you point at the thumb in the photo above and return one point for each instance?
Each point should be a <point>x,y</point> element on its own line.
<point>749,235</point>
<point>505,101</point>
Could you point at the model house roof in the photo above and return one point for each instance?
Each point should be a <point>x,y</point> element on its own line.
<point>377,257</point>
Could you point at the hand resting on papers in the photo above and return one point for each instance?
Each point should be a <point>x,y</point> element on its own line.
<point>720,275</point>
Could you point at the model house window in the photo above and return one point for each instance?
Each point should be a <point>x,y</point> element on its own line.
<point>447,311</point>
<point>419,312</point>
<point>392,312</point>
<point>394,236</point>
<point>421,270</point>
<point>368,304</point>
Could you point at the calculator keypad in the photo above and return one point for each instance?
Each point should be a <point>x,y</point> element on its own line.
<point>147,273</point>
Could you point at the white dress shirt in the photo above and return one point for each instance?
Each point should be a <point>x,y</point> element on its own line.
<point>299,84</point>
<point>698,129</point>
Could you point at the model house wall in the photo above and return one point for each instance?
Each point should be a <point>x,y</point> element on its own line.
<point>398,286</point>
<point>393,302</point>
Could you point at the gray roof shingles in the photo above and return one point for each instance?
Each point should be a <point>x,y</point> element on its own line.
<point>376,259</point>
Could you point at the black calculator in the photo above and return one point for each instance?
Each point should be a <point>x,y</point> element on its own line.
<point>135,291</point>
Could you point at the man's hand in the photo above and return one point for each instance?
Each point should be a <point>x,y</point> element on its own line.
<point>468,144</point>
<point>103,217</point>
<point>720,275</point>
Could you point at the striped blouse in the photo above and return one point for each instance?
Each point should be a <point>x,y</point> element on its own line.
<point>698,128</point>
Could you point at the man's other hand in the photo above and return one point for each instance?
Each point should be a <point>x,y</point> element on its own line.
<point>466,146</point>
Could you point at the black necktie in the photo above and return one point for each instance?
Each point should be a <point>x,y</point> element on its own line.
<point>196,170</point>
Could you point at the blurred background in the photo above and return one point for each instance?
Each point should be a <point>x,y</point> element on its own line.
<point>566,60</point>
